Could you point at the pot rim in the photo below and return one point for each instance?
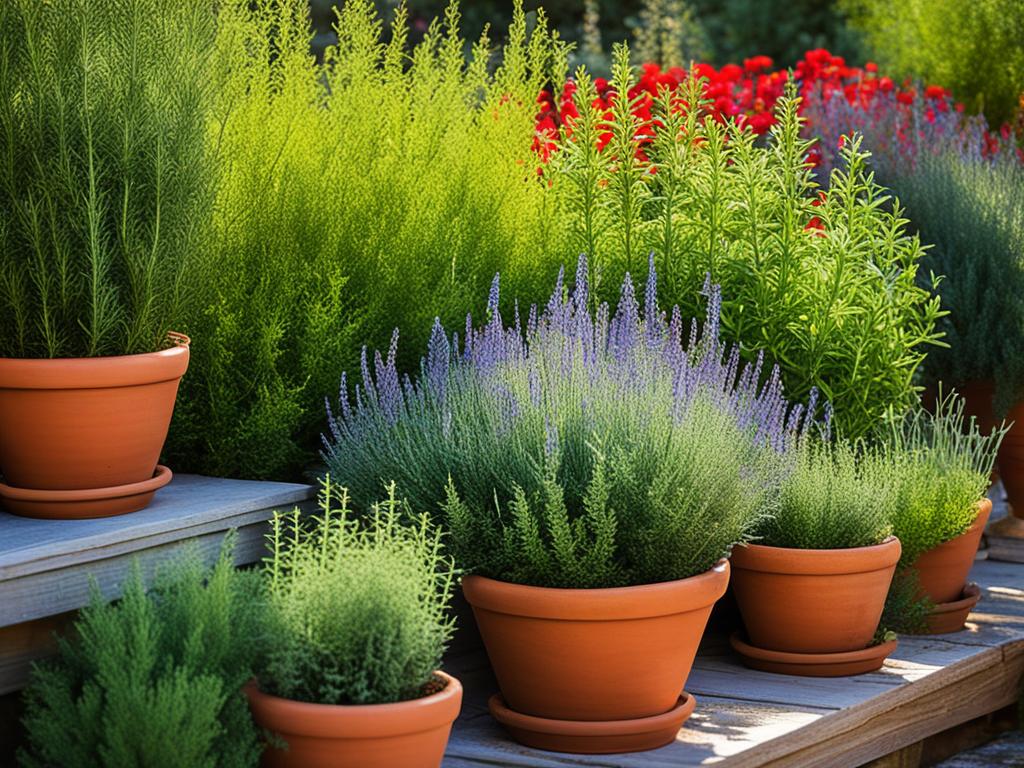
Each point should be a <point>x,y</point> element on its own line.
<point>984,506</point>
<point>63,373</point>
<point>355,721</point>
<point>641,601</point>
<point>817,562</point>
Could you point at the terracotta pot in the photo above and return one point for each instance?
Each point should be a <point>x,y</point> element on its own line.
<point>1011,460</point>
<point>942,571</point>
<point>407,734</point>
<point>593,654</point>
<point>813,600</point>
<point>85,425</point>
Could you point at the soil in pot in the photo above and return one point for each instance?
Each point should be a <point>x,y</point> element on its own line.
<point>813,601</point>
<point>86,425</point>
<point>595,655</point>
<point>406,734</point>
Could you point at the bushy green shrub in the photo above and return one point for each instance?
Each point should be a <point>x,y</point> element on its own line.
<point>575,448</point>
<point>826,286</point>
<point>971,48</point>
<point>153,680</point>
<point>833,496</point>
<point>105,176</point>
<point>940,465</point>
<point>381,188</point>
<point>971,212</point>
<point>358,609</point>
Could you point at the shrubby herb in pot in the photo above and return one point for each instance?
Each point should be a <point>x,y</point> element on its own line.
<point>357,622</point>
<point>106,183</point>
<point>593,469</point>
<point>814,585</point>
<point>153,680</point>
<point>941,466</point>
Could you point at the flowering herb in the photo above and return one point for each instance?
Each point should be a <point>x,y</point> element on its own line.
<point>575,448</point>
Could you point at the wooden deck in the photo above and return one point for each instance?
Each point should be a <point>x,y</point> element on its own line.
<point>752,719</point>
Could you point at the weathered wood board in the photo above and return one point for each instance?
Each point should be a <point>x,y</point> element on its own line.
<point>46,565</point>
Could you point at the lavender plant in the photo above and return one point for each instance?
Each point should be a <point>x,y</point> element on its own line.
<point>575,448</point>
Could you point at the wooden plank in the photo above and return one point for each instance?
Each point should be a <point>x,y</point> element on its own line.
<point>190,504</point>
<point>45,565</point>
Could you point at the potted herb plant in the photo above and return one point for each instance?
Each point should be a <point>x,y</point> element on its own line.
<point>357,621</point>
<point>812,589</point>
<point>104,192</point>
<point>594,473</point>
<point>941,466</point>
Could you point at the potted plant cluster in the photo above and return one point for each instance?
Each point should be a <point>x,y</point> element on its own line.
<point>813,587</point>
<point>356,623</point>
<point>941,466</point>
<point>101,218</point>
<point>594,473</point>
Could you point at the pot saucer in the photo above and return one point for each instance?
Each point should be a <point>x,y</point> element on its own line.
<point>593,737</point>
<point>950,617</point>
<point>812,664</point>
<point>84,503</point>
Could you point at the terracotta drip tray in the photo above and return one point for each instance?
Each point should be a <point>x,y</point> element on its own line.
<point>85,503</point>
<point>951,617</point>
<point>812,664</point>
<point>590,737</point>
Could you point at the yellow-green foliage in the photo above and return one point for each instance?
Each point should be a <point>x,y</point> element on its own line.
<point>940,465</point>
<point>379,189</point>
<point>974,48</point>
<point>357,609</point>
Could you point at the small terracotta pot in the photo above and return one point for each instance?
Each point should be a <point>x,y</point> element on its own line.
<point>593,654</point>
<point>72,425</point>
<point>407,734</point>
<point>813,600</point>
<point>942,571</point>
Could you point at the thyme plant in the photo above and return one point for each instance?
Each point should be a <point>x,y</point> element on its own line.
<point>381,187</point>
<point>941,465</point>
<point>105,174</point>
<point>573,448</point>
<point>155,679</point>
<point>832,496</point>
<point>826,286</point>
<point>357,609</point>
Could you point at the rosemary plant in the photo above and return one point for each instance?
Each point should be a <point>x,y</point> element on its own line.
<point>826,286</point>
<point>105,174</point>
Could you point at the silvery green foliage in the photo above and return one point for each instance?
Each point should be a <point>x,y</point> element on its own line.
<point>574,449</point>
<point>941,464</point>
<point>155,679</point>
<point>833,496</point>
<point>358,609</point>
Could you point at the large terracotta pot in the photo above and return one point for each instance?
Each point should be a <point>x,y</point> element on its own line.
<point>942,571</point>
<point>1011,460</point>
<point>80,437</point>
<point>597,655</point>
<point>813,600</point>
<point>407,734</point>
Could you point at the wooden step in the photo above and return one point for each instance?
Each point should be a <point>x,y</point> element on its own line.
<point>46,566</point>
